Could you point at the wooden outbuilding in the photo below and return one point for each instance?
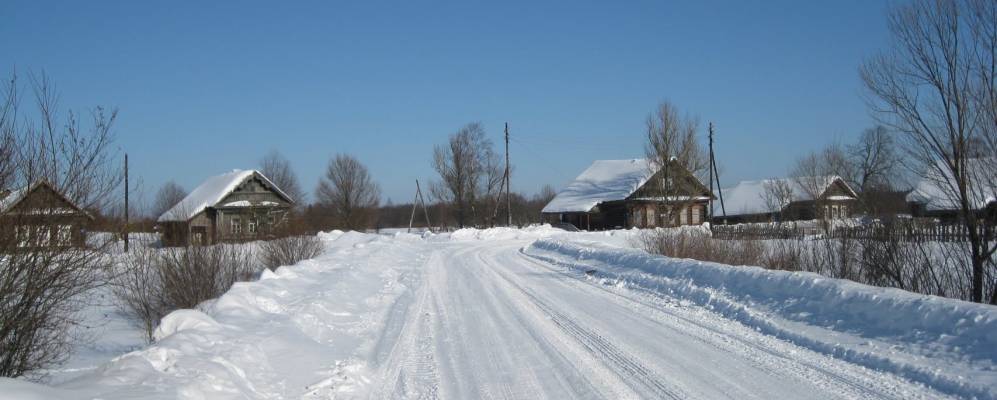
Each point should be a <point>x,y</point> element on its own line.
<point>236,206</point>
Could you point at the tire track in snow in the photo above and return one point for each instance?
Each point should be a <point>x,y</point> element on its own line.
<point>408,367</point>
<point>640,378</point>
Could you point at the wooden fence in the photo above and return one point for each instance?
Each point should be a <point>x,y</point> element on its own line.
<point>902,232</point>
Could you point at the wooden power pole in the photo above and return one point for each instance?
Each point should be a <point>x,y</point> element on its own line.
<point>415,203</point>
<point>715,176</point>
<point>508,190</point>
<point>126,203</point>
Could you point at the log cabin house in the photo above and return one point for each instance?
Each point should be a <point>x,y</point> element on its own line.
<point>788,199</point>
<point>621,194</point>
<point>39,216</point>
<point>236,206</point>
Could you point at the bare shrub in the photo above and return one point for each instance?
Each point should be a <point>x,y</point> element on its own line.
<point>699,245</point>
<point>46,272</point>
<point>193,274</point>
<point>155,282</point>
<point>139,290</point>
<point>289,250</point>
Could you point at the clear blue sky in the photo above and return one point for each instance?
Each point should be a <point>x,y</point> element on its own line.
<point>204,87</point>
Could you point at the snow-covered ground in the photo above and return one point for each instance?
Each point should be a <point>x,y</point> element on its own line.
<point>542,313</point>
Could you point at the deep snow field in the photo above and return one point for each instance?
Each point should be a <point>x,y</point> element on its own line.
<point>535,313</point>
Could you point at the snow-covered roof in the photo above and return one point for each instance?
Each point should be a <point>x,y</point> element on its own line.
<point>12,198</point>
<point>604,180</point>
<point>212,191</point>
<point>748,197</point>
<point>934,192</point>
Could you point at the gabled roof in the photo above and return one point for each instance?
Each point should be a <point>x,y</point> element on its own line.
<point>12,198</point>
<point>212,191</point>
<point>604,180</point>
<point>748,197</point>
<point>932,191</point>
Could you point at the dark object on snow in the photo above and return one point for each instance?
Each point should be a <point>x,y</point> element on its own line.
<point>590,272</point>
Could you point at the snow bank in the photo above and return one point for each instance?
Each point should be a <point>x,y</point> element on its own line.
<point>503,233</point>
<point>948,344</point>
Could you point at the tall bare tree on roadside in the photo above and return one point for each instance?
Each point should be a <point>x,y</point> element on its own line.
<point>672,141</point>
<point>937,87</point>
<point>169,195</point>
<point>43,288</point>
<point>348,190</point>
<point>461,164</point>
<point>278,169</point>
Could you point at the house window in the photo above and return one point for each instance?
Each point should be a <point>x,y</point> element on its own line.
<point>64,236</point>
<point>43,234</point>
<point>695,220</point>
<point>236,226</point>
<point>252,226</point>
<point>683,218</point>
<point>844,211</point>
<point>22,233</point>
<point>650,218</point>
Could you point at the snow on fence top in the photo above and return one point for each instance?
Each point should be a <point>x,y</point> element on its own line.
<point>748,197</point>
<point>604,180</point>
<point>933,191</point>
<point>213,190</point>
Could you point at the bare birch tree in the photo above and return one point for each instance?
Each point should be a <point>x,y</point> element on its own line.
<point>348,190</point>
<point>673,147</point>
<point>936,86</point>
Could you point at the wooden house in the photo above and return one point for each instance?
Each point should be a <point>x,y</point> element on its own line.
<point>787,199</point>
<point>619,194</point>
<point>932,197</point>
<point>236,206</point>
<point>39,216</point>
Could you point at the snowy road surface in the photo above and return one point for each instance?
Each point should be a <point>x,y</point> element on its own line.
<point>490,322</point>
<point>421,318</point>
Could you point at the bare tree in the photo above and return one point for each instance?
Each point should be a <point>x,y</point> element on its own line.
<point>81,163</point>
<point>169,195</point>
<point>278,169</point>
<point>673,148</point>
<point>777,194</point>
<point>349,192</point>
<point>44,283</point>
<point>875,161</point>
<point>936,87</point>
<point>461,164</point>
<point>545,195</point>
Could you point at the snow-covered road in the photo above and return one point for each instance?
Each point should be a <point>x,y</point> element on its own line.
<point>501,315</point>
<point>490,322</point>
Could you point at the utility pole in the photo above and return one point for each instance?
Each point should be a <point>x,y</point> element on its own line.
<point>711,171</point>
<point>415,203</point>
<point>508,190</point>
<point>715,174</point>
<point>126,203</point>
